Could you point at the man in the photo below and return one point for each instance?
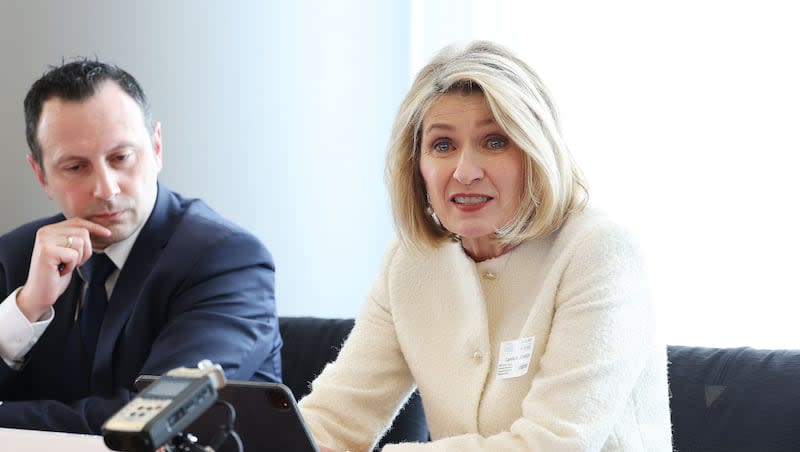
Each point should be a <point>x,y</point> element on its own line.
<point>185,284</point>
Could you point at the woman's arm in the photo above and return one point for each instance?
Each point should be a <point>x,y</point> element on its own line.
<point>355,398</point>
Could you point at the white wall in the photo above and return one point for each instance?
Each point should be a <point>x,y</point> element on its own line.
<point>684,115</point>
<point>276,113</point>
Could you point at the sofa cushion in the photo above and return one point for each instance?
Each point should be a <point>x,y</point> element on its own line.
<point>309,344</point>
<point>736,399</point>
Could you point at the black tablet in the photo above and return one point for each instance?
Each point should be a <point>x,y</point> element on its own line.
<point>267,418</point>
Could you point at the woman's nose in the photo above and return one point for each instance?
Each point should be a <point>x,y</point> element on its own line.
<point>468,169</point>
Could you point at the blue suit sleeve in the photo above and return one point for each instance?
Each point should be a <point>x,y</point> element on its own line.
<point>225,312</point>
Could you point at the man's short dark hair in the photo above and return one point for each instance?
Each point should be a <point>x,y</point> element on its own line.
<point>76,81</point>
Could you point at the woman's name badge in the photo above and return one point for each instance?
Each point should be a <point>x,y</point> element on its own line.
<point>515,357</point>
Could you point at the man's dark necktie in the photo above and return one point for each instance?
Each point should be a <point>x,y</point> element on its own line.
<point>95,300</point>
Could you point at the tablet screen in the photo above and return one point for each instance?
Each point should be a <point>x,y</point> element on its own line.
<point>267,418</point>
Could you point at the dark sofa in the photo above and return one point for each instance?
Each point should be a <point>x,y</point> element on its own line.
<point>722,400</point>
<point>734,399</point>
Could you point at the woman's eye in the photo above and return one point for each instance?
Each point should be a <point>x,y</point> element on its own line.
<point>441,146</point>
<point>496,142</point>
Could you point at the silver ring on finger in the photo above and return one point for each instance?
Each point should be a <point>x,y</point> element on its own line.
<point>69,241</point>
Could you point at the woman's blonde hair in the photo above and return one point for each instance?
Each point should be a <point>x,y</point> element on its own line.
<point>521,106</point>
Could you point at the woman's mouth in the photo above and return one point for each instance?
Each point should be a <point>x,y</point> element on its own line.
<point>469,203</point>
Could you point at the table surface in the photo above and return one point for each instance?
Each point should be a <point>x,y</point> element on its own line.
<point>37,441</point>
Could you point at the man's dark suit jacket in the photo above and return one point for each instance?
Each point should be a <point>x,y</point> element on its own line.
<point>195,286</point>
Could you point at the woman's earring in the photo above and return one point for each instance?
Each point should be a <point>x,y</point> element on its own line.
<point>429,211</point>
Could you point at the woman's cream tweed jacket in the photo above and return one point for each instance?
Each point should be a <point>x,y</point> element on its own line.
<point>597,378</point>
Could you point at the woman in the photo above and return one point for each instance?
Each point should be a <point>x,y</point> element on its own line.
<point>521,315</point>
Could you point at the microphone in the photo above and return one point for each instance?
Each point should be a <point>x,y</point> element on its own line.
<point>164,408</point>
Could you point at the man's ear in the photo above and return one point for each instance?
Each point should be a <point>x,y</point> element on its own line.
<point>40,176</point>
<point>157,145</point>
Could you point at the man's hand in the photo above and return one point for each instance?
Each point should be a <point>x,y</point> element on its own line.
<point>59,248</point>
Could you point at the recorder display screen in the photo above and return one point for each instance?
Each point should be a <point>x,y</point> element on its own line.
<point>166,387</point>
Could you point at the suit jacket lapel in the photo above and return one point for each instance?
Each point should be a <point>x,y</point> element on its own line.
<point>52,341</point>
<point>145,253</point>
<point>54,357</point>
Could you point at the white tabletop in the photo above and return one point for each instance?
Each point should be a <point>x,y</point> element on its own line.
<point>37,441</point>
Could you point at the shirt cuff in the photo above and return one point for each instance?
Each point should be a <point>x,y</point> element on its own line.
<point>17,334</point>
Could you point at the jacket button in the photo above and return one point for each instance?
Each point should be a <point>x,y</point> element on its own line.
<point>490,276</point>
<point>477,356</point>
